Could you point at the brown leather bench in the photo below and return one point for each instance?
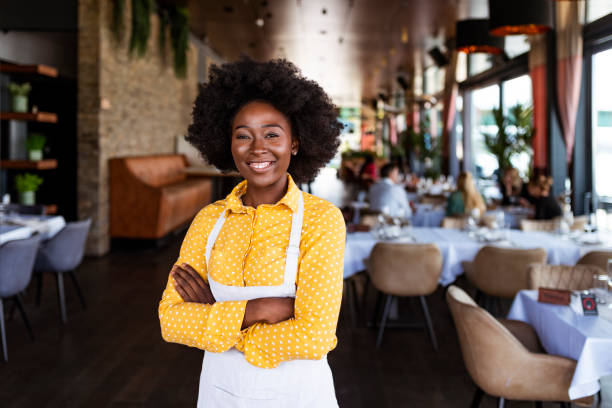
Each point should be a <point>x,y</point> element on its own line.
<point>151,196</point>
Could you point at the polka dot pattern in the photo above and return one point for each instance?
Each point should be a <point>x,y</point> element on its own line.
<point>250,251</point>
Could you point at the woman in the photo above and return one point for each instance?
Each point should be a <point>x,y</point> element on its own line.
<point>511,187</point>
<point>544,205</point>
<point>258,281</point>
<point>466,198</point>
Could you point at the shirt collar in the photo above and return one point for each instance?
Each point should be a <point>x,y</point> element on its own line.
<point>233,201</point>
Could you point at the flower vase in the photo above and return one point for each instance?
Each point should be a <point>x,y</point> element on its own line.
<point>27,197</point>
<point>20,103</point>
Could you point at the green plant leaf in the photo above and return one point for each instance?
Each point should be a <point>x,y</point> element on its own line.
<point>27,182</point>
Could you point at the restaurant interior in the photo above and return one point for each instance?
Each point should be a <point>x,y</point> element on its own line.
<point>472,175</point>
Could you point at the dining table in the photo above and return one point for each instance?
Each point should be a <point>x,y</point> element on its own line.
<point>565,331</point>
<point>19,226</point>
<point>457,246</point>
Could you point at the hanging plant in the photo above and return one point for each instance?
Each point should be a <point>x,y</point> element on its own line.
<point>179,34</point>
<point>117,23</point>
<point>141,25</point>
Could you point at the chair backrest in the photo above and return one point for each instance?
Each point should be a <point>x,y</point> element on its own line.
<point>16,264</point>
<point>401,269</point>
<point>454,222</point>
<point>503,271</point>
<point>565,277</point>
<point>65,250</point>
<point>159,170</point>
<point>539,225</point>
<point>489,350</point>
<point>597,258</point>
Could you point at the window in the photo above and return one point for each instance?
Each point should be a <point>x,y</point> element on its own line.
<point>602,123</point>
<point>478,63</point>
<point>515,91</point>
<point>484,100</point>
<point>516,45</point>
<point>596,9</point>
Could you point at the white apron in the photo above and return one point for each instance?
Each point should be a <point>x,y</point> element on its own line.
<point>228,380</point>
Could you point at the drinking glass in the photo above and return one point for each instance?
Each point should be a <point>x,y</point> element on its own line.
<point>600,286</point>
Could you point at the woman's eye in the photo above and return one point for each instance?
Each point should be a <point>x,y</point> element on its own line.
<point>271,135</point>
<point>241,136</point>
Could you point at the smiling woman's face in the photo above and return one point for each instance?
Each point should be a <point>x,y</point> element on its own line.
<point>262,145</point>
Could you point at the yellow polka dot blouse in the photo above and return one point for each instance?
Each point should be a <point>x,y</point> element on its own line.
<point>250,251</point>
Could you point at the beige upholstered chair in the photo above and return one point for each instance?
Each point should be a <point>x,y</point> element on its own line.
<point>405,270</point>
<point>578,277</point>
<point>504,358</point>
<point>552,225</point>
<point>502,272</point>
<point>453,222</point>
<point>597,258</point>
<point>539,225</point>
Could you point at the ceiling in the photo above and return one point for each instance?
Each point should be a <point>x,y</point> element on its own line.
<point>353,48</point>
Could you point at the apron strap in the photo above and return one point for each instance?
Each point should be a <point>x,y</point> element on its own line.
<point>212,237</point>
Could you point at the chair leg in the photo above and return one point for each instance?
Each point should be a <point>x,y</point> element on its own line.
<point>430,329</point>
<point>350,291</point>
<point>78,288</point>
<point>61,296</point>
<point>501,402</point>
<point>24,316</point>
<point>366,286</point>
<point>383,321</point>
<point>3,332</point>
<point>39,281</point>
<point>477,398</point>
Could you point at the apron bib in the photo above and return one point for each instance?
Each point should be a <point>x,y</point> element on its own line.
<point>228,380</point>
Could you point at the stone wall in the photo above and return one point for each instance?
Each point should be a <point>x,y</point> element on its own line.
<point>127,106</point>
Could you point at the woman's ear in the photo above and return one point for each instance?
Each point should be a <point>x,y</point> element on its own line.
<point>294,147</point>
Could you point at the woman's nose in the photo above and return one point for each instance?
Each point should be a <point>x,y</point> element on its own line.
<point>258,145</point>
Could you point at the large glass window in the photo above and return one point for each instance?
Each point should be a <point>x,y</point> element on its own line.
<point>518,91</point>
<point>484,100</point>
<point>597,9</point>
<point>602,123</point>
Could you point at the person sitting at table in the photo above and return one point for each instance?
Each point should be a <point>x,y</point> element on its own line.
<point>544,204</point>
<point>466,198</point>
<point>511,187</point>
<point>367,173</point>
<point>387,195</point>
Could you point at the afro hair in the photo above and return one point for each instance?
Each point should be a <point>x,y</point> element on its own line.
<point>312,115</point>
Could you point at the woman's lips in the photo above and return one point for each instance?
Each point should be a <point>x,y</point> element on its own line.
<point>260,166</point>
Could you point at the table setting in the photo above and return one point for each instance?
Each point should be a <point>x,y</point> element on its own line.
<point>579,328</point>
<point>20,226</point>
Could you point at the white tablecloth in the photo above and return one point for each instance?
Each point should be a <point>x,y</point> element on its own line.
<point>46,226</point>
<point>563,332</point>
<point>457,246</point>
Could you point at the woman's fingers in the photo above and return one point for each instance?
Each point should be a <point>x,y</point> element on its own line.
<point>185,285</point>
<point>194,274</point>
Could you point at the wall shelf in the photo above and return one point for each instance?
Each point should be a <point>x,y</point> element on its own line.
<point>46,164</point>
<point>30,117</point>
<point>38,69</point>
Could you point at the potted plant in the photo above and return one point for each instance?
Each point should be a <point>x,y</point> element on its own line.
<point>19,96</point>
<point>26,185</point>
<point>34,145</point>
<point>514,135</point>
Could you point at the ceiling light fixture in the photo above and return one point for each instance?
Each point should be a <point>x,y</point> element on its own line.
<point>259,22</point>
<point>473,36</point>
<point>404,35</point>
<point>520,17</point>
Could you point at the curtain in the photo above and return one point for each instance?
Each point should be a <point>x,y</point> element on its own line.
<point>449,109</point>
<point>569,67</point>
<point>537,72</point>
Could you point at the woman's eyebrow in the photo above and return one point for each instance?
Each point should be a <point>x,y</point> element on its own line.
<point>263,126</point>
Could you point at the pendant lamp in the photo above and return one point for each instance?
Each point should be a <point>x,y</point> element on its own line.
<point>473,36</point>
<point>520,17</point>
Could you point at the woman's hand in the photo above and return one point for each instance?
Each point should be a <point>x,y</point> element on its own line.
<point>268,310</point>
<point>190,285</point>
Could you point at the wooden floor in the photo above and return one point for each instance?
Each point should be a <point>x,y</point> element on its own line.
<point>112,354</point>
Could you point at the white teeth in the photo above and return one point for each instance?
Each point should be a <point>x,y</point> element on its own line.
<point>261,165</point>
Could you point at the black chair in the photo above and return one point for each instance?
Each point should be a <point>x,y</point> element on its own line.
<point>62,254</point>
<point>16,263</point>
